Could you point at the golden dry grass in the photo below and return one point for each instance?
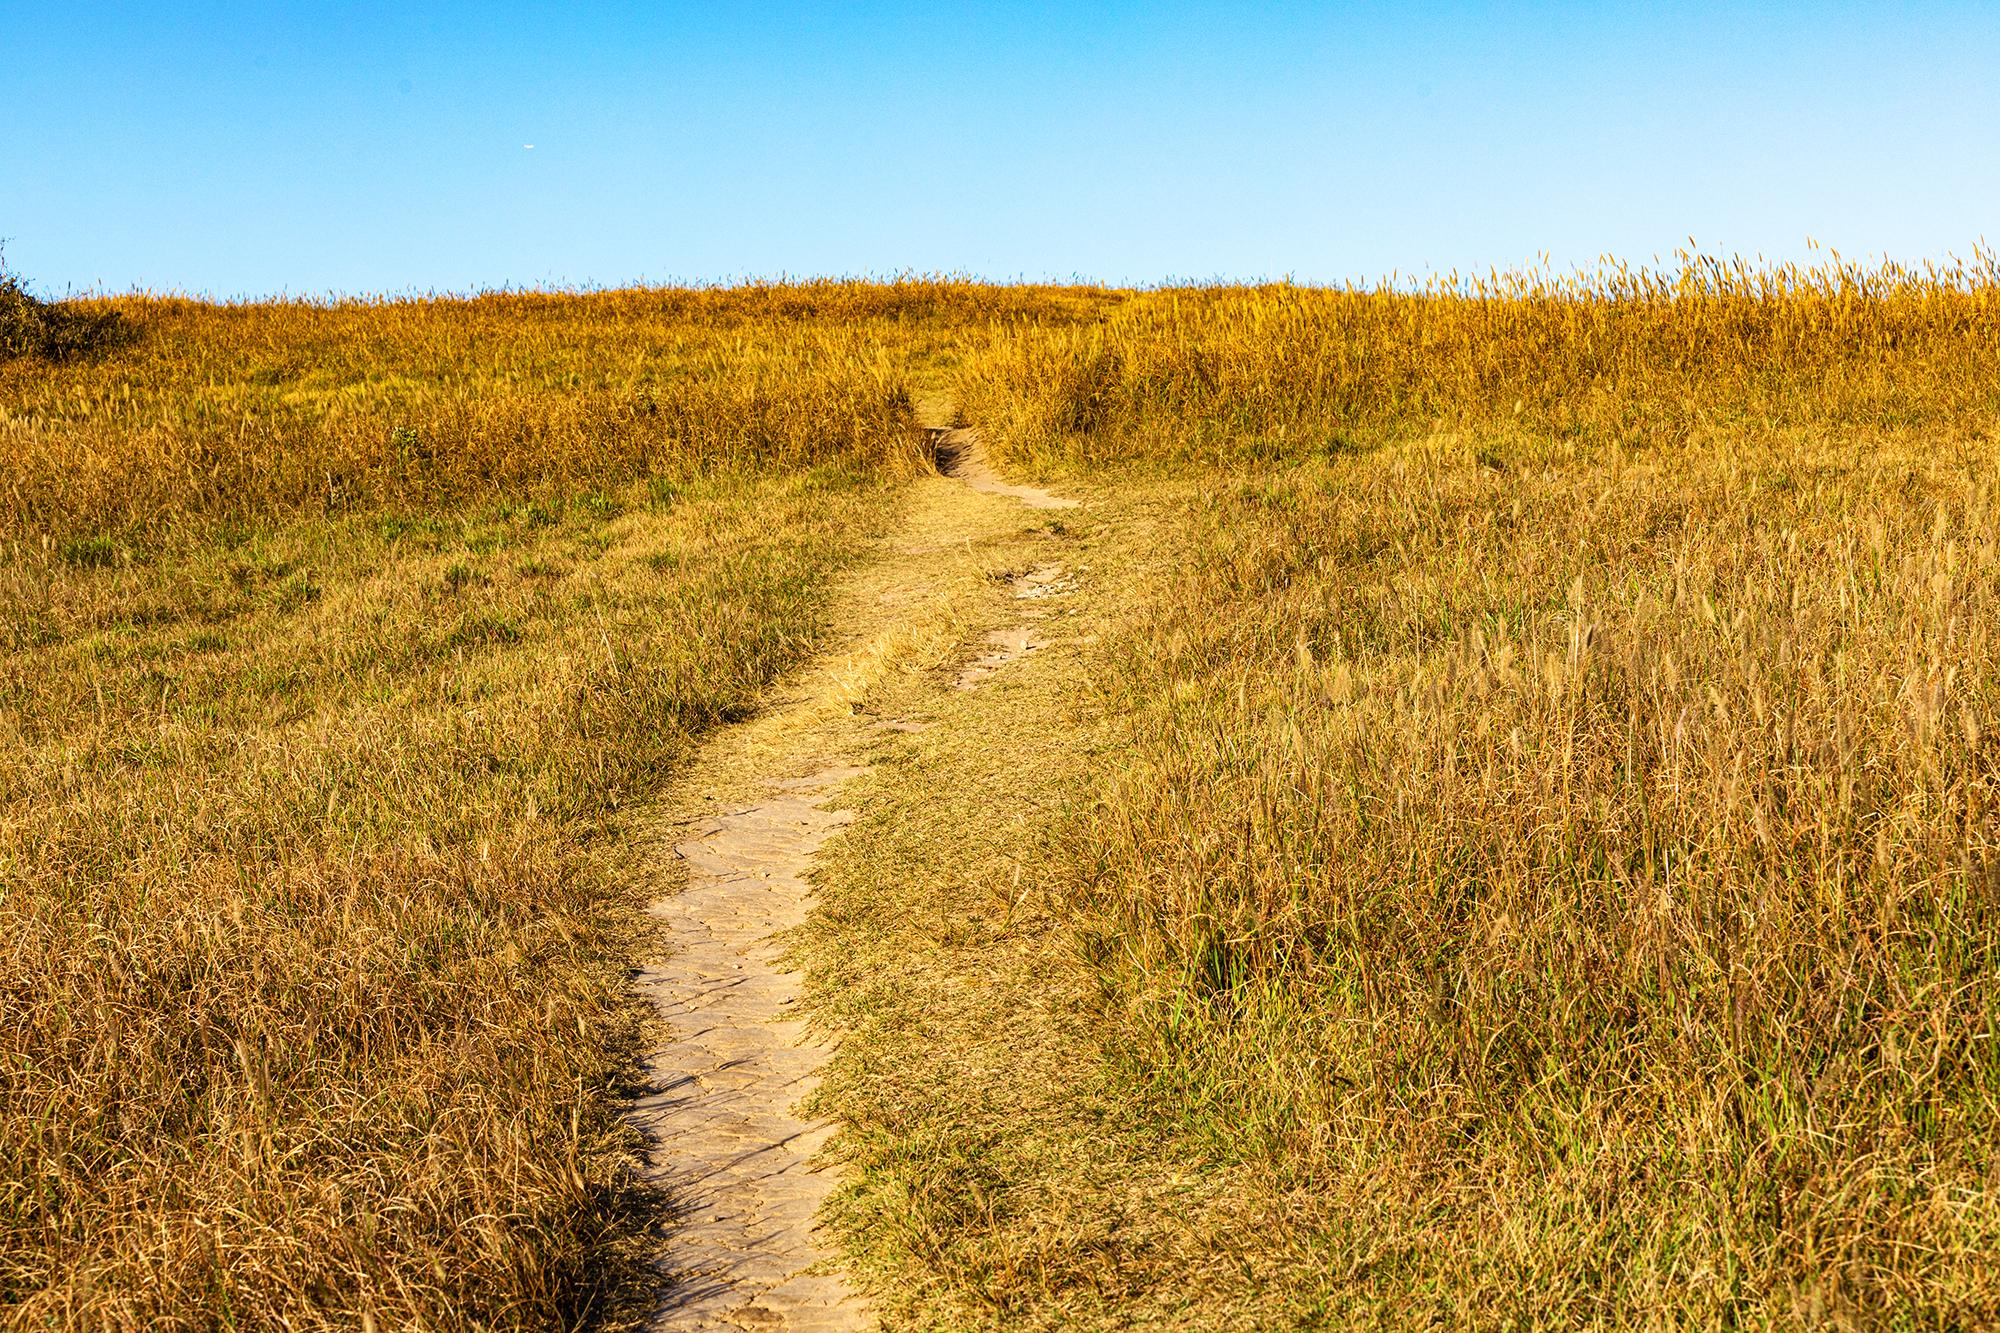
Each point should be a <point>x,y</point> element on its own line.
<point>1577,879</point>
<point>1555,835</point>
<point>313,905</point>
<point>1536,835</point>
<point>1231,375</point>
<point>334,643</point>
<point>272,410</point>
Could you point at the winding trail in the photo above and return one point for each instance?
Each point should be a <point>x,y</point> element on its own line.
<point>727,1116</point>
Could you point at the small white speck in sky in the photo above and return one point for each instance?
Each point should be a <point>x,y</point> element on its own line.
<point>527,145</point>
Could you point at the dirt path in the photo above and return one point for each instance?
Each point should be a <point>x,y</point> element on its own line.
<point>728,1120</point>
<point>962,455</point>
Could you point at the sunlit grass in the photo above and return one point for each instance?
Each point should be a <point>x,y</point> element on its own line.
<point>1550,837</point>
<point>336,641</point>
<point>1557,837</point>
<point>1645,358</point>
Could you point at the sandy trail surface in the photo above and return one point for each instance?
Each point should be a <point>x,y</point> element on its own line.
<point>731,1144</point>
<point>727,1115</point>
<point>961,454</point>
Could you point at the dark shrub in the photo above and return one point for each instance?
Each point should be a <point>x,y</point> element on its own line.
<point>53,330</point>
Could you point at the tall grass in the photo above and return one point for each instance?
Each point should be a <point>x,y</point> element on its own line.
<point>274,409</point>
<point>1230,374</point>
<point>1557,835</point>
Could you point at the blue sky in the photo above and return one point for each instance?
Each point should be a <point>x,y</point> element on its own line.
<point>234,149</point>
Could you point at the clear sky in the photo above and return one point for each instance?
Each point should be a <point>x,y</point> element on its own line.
<point>240,149</point>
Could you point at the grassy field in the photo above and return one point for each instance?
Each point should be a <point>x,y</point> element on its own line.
<point>312,934</point>
<point>334,641</point>
<point>1230,376</point>
<point>1510,842</point>
<point>264,412</point>
<point>1553,837</point>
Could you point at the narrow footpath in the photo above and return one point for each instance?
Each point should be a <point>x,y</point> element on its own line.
<point>955,595</point>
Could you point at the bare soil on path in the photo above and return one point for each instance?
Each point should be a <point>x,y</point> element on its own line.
<point>961,455</point>
<point>956,594</point>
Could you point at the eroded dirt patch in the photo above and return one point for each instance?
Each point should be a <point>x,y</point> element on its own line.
<point>1003,646</point>
<point>962,456</point>
<point>1015,642</point>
